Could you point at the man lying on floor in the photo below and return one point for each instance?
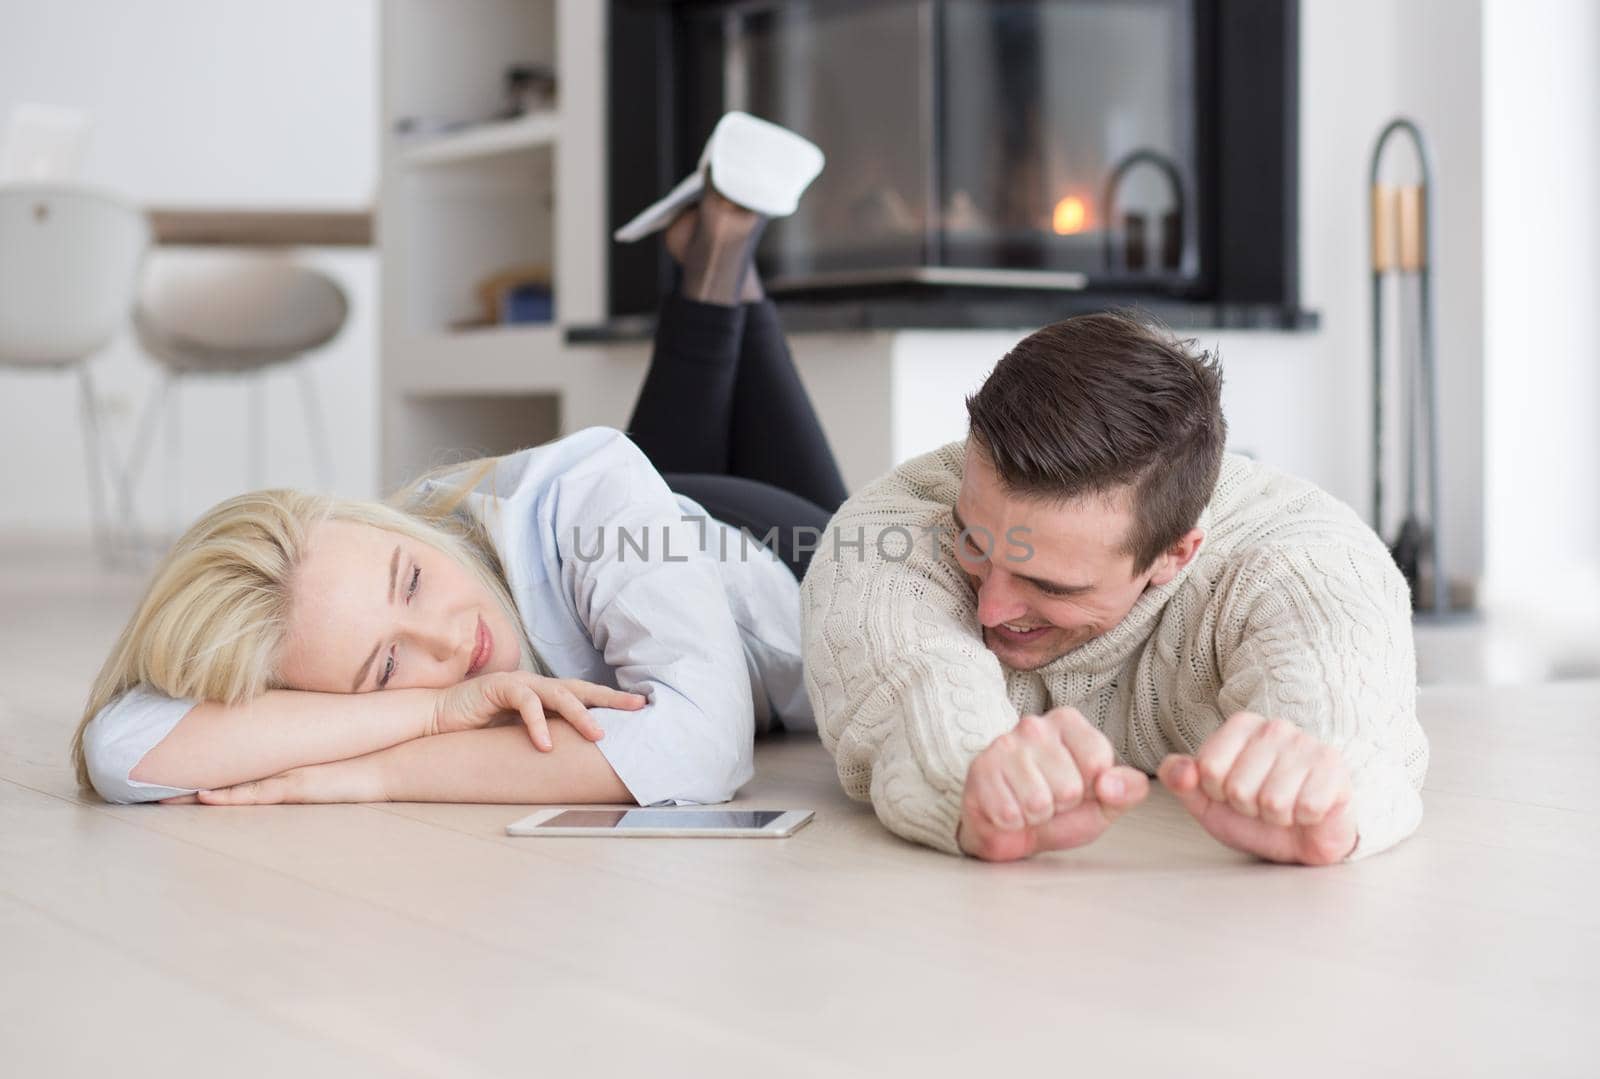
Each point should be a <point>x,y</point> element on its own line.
<point>1005,637</point>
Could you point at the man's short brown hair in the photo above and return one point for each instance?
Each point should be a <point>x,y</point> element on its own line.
<point>1101,402</point>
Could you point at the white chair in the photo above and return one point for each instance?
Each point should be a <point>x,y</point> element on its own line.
<point>43,144</point>
<point>69,262</point>
<point>202,313</point>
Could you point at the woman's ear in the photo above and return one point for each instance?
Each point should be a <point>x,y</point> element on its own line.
<point>1174,558</point>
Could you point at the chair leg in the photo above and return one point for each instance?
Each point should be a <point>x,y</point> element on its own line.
<point>154,407</point>
<point>89,419</point>
<point>322,458</point>
<point>258,431</point>
<point>174,455</point>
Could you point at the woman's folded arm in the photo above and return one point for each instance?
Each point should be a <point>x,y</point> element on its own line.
<point>217,745</point>
<point>493,765</point>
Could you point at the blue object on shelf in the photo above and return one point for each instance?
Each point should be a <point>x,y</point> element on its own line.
<point>528,303</point>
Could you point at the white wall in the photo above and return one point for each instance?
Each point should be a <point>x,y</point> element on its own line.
<point>232,103</point>
<point>1542,190</point>
<point>1304,401</point>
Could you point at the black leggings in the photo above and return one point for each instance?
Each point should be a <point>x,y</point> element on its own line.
<point>723,417</point>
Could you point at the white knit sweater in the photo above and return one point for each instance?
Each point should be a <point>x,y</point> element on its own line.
<point>1292,608</point>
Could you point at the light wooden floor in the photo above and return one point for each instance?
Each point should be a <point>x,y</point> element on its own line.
<point>419,940</point>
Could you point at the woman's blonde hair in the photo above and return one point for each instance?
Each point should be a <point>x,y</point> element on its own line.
<point>211,624</point>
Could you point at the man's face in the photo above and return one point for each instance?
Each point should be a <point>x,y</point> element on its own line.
<point>1055,575</point>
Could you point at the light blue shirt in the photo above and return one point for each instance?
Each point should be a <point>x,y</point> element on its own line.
<point>618,581</point>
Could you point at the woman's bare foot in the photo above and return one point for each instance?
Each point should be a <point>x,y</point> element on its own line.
<point>717,258</point>
<point>678,234</point>
<point>677,238</point>
<point>751,291</point>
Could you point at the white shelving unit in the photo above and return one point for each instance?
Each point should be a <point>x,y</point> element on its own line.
<point>485,140</point>
<point>459,207</point>
<point>455,208</point>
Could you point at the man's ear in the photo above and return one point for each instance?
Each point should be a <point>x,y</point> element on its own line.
<point>1174,558</point>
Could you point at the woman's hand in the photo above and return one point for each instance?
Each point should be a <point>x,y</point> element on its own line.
<point>477,701</point>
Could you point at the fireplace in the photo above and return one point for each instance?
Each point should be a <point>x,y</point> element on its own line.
<point>1103,147</point>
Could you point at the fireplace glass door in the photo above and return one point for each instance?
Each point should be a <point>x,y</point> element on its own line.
<point>1020,142</point>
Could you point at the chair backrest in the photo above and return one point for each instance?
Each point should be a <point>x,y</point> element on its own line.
<point>69,262</point>
<point>43,144</point>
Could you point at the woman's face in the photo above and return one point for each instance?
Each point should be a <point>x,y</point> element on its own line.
<point>376,610</point>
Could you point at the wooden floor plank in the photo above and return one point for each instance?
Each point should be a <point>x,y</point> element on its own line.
<point>416,997</point>
<point>72,1003</point>
<point>809,916</point>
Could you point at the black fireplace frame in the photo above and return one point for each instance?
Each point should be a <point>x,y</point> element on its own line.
<point>1247,156</point>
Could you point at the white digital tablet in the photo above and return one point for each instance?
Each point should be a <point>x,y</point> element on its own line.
<point>639,823</point>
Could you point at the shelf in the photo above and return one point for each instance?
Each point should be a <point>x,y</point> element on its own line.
<point>484,141</point>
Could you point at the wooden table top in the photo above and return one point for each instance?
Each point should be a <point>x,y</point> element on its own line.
<point>221,226</point>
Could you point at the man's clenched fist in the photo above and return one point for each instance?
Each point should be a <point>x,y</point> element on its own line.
<point>1050,783</point>
<point>1268,788</point>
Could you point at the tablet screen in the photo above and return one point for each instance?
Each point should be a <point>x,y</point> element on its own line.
<point>733,820</point>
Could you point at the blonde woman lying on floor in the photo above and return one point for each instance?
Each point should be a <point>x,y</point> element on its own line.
<point>299,648</point>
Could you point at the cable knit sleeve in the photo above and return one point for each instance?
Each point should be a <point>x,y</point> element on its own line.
<point>906,694</point>
<point>1316,629</point>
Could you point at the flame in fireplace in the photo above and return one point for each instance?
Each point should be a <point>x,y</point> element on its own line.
<point>1071,215</point>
